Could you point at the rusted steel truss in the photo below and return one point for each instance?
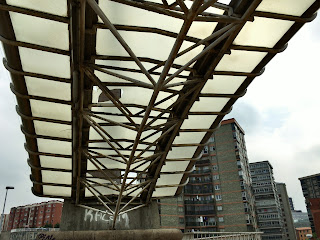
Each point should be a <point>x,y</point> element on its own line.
<point>143,156</point>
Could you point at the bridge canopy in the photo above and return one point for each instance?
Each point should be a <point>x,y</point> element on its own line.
<point>118,97</point>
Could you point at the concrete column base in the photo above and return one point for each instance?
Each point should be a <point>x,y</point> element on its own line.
<point>139,234</point>
<point>80,219</point>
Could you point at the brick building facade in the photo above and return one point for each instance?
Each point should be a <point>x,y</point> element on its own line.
<point>311,191</point>
<point>35,215</point>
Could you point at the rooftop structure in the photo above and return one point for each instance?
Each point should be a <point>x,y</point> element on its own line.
<point>118,97</point>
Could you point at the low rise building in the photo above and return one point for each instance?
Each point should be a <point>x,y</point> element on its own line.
<point>36,215</point>
<point>5,221</point>
<point>303,232</point>
<point>300,219</point>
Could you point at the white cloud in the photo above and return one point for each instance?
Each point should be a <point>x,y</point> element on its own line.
<point>286,103</point>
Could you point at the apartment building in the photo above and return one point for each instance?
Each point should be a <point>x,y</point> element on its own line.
<point>219,195</point>
<point>35,215</point>
<point>311,191</point>
<point>289,230</point>
<point>270,220</point>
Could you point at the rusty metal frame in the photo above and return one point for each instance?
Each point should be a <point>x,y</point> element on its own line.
<point>83,23</point>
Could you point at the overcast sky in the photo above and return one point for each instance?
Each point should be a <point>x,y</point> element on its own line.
<point>279,113</point>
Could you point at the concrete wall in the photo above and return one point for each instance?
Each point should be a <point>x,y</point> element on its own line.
<point>148,234</point>
<point>172,212</point>
<point>78,219</point>
<point>5,236</point>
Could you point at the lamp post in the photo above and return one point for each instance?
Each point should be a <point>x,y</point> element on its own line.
<point>4,205</point>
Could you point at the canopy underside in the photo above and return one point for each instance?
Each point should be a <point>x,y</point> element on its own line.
<point>118,97</point>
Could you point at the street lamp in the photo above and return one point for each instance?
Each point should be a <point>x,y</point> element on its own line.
<point>4,205</point>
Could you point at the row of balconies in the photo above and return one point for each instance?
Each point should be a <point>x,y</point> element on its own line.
<point>195,212</point>
<point>199,201</point>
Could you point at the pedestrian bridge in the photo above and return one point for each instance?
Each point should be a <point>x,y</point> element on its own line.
<point>118,97</point>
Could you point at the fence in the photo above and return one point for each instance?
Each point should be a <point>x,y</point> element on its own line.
<point>223,235</point>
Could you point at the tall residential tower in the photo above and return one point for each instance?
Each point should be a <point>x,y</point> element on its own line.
<point>218,196</point>
<point>270,220</point>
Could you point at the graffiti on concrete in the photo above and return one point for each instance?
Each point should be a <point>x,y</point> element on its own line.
<point>23,235</point>
<point>44,236</point>
<point>96,216</point>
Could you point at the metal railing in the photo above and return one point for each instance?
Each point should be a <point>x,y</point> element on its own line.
<point>35,230</point>
<point>223,235</point>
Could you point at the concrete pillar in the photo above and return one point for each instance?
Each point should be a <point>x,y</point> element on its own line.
<point>80,219</point>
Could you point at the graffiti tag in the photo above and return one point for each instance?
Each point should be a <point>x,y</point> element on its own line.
<point>43,236</point>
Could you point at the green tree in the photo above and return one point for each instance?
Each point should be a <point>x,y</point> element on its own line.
<point>57,225</point>
<point>48,225</point>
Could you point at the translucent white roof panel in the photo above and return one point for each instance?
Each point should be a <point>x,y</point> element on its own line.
<point>240,61</point>
<point>155,46</point>
<point>289,7</point>
<point>181,152</point>
<point>223,84</point>
<point>50,110</point>
<point>167,179</point>
<point>52,146</point>
<point>209,104</point>
<point>162,192</point>
<point>262,32</point>
<point>57,191</point>
<point>56,7</point>
<point>46,88</point>
<point>198,121</point>
<point>45,34</point>
<point>45,62</point>
<point>127,15</point>
<point>52,129</point>
<point>56,162</point>
<point>56,177</point>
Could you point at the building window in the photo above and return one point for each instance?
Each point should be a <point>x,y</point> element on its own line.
<point>215,177</point>
<point>212,148</point>
<point>181,220</point>
<point>219,208</point>
<point>216,187</point>
<point>180,209</point>
<point>215,167</point>
<point>205,150</point>
<point>221,219</point>
<point>218,197</point>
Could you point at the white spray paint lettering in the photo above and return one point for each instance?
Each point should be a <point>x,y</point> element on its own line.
<point>96,216</point>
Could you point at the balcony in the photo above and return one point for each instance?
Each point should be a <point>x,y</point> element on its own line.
<point>201,171</point>
<point>196,224</point>
<point>199,201</point>
<point>198,191</point>
<point>204,212</point>
<point>200,181</point>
